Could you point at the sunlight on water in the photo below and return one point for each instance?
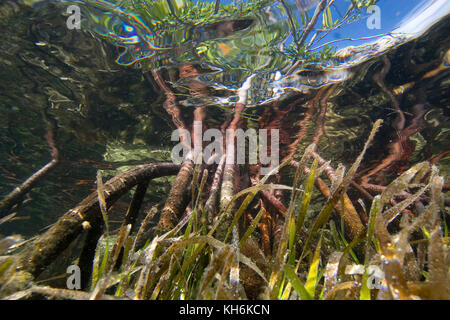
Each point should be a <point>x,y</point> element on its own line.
<point>235,45</point>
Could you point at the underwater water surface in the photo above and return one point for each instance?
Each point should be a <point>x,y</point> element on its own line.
<point>104,86</point>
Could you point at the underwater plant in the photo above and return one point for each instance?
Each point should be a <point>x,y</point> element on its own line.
<point>226,231</point>
<point>194,260</point>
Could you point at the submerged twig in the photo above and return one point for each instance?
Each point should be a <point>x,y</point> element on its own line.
<point>16,195</point>
<point>57,294</point>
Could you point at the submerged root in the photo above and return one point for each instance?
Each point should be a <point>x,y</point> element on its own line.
<point>41,252</point>
<point>177,200</point>
<point>193,257</point>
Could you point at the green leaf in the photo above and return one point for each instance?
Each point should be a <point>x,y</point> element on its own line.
<point>329,17</point>
<point>296,283</point>
<point>307,196</point>
<point>325,23</point>
<point>313,279</point>
<point>250,229</point>
<point>365,291</point>
<point>5,264</point>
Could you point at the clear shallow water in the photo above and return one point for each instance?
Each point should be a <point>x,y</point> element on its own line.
<point>96,84</point>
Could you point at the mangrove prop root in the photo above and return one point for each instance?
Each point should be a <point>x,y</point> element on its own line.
<point>363,191</point>
<point>379,80</point>
<point>352,221</point>
<point>274,202</point>
<point>211,203</point>
<point>350,215</point>
<point>277,232</point>
<point>226,194</point>
<point>400,148</point>
<point>133,211</point>
<point>265,227</point>
<point>378,189</point>
<point>88,252</point>
<point>177,200</point>
<point>135,205</point>
<point>325,93</point>
<point>17,194</point>
<point>56,294</point>
<point>41,252</point>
